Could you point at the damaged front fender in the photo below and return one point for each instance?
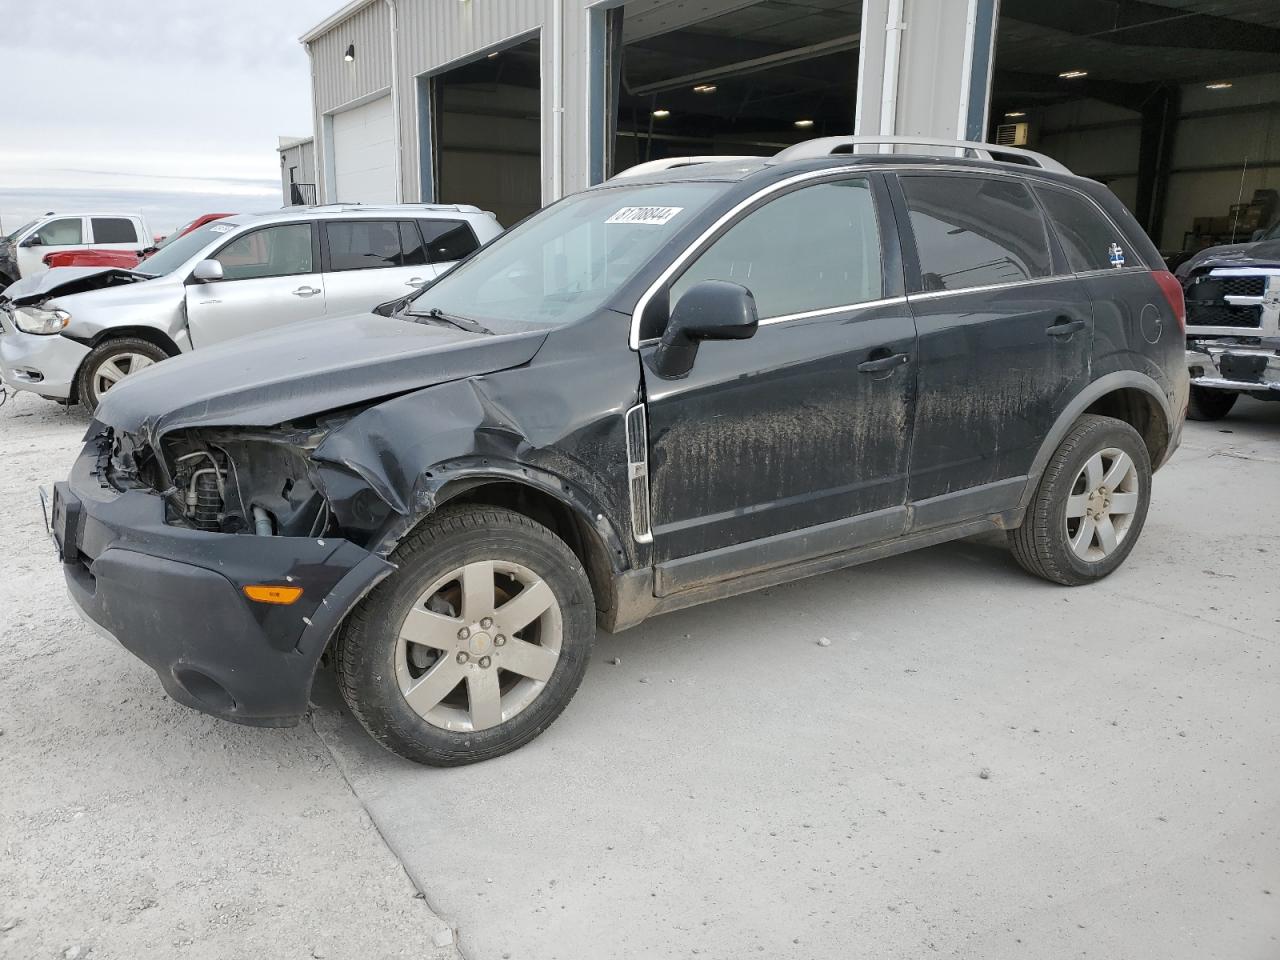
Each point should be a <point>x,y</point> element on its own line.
<point>395,463</point>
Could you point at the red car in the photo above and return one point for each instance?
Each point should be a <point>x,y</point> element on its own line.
<point>122,258</point>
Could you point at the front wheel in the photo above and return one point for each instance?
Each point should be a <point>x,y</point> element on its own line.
<point>475,644</point>
<point>110,362</point>
<point>1089,506</point>
<point>1206,404</point>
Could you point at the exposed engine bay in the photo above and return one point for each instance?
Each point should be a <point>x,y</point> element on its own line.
<point>259,482</point>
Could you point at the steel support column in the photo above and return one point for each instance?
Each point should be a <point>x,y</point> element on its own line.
<point>925,68</point>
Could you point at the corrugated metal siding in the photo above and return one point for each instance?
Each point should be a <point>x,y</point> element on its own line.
<point>337,82</point>
<point>435,35</point>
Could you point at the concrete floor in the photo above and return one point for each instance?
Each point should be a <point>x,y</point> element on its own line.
<point>734,789</point>
<point>730,789</point>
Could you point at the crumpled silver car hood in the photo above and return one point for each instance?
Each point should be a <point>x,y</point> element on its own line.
<point>67,280</point>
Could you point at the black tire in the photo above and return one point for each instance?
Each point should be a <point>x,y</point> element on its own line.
<point>1206,404</point>
<point>365,652</point>
<point>104,353</point>
<point>1041,545</point>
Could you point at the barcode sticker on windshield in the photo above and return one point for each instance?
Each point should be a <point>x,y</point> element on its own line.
<point>222,228</point>
<point>649,216</point>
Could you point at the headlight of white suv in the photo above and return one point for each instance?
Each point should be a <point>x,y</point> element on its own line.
<point>41,321</point>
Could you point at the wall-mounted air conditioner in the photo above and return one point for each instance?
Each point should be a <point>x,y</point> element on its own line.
<point>1013,134</point>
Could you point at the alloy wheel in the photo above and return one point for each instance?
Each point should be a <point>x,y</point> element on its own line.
<point>1103,501</point>
<point>115,369</point>
<point>479,645</point>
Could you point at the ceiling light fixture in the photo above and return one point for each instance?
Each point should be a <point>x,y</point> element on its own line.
<point>705,88</point>
<point>1015,113</point>
<point>804,123</point>
<point>661,114</point>
<point>1219,85</point>
<point>350,54</point>
<point>1073,74</point>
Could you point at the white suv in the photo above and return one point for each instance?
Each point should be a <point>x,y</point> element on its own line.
<point>73,332</point>
<point>22,251</point>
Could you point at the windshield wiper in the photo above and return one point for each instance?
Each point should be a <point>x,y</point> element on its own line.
<point>462,323</point>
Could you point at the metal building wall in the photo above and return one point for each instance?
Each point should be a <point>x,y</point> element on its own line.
<point>335,83</point>
<point>435,35</point>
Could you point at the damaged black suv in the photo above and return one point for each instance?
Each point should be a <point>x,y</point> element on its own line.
<point>667,389</point>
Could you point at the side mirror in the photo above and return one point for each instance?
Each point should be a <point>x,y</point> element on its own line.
<point>709,310</point>
<point>33,241</point>
<point>207,270</point>
<point>1257,235</point>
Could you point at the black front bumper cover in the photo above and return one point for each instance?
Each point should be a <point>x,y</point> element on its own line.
<point>173,597</point>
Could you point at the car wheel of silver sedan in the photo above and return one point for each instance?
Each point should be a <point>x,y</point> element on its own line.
<point>111,362</point>
<point>475,644</point>
<point>1089,506</point>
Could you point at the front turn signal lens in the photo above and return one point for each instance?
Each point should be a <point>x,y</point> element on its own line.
<point>265,593</point>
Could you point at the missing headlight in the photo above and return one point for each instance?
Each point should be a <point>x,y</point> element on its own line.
<point>247,482</point>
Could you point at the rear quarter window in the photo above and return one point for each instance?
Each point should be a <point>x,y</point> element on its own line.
<point>1085,234</point>
<point>447,240</point>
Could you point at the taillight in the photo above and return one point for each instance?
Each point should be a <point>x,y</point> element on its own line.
<point>1172,290</point>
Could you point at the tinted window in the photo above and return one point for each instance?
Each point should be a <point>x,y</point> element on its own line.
<point>971,231</point>
<point>413,252</point>
<point>271,252</point>
<point>114,230</point>
<point>363,244</point>
<point>814,248</point>
<point>60,233</point>
<point>447,240</point>
<point>1085,234</point>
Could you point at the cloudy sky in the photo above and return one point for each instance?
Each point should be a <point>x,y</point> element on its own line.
<point>168,107</point>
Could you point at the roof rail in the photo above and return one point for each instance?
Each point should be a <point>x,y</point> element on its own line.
<point>349,207</point>
<point>825,146</point>
<point>671,163</point>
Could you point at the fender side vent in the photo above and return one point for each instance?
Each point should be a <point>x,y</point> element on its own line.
<point>638,472</point>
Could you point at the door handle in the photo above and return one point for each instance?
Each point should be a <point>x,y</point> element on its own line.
<point>414,282</point>
<point>1062,327</point>
<point>883,363</point>
<point>305,292</point>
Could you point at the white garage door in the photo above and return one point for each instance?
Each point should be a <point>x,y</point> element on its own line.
<point>364,154</point>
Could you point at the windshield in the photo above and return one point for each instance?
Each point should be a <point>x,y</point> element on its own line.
<point>566,261</point>
<point>14,236</point>
<point>175,254</point>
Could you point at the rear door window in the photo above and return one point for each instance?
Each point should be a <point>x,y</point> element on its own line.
<point>114,230</point>
<point>812,249</point>
<point>447,240</point>
<point>62,233</point>
<point>364,244</point>
<point>280,251</point>
<point>1087,237</point>
<point>975,231</point>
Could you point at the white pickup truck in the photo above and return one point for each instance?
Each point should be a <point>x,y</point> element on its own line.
<point>22,251</point>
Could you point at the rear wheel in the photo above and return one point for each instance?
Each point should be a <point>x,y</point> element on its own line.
<point>474,646</point>
<point>1206,404</point>
<point>1089,506</point>
<point>110,362</point>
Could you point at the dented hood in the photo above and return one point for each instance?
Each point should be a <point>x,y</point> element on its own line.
<point>61,281</point>
<point>305,368</point>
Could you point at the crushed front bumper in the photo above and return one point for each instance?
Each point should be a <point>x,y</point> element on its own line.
<point>1228,366</point>
<point>174,597</point>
